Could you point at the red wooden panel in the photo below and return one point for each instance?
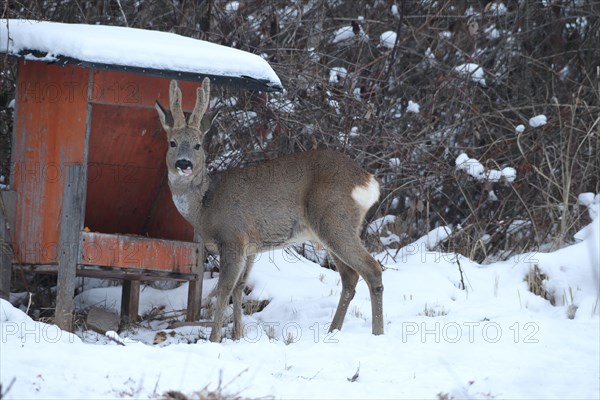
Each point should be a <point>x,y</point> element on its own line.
<point>127,188</point>
<point>126,163</point>
<point>124,251</point>
<point>49,135</point>
<point>165,220</point>
<point>123,88</point>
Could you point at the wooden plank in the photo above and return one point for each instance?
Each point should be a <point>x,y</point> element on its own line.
<point>195,285</point>
<point>93,271</point>
<point>130,301</point>
<point>180,324</point>
<point>7,210</point>
<point>71,222</point>
<point>123,88</point>
<point>49,135</point>
<point>138,252</point>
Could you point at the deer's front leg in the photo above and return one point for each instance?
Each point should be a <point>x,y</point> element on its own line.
<point>230,271</point>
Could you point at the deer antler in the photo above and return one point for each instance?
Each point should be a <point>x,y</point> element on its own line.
<point>175,103</point>
<point>202,100</point>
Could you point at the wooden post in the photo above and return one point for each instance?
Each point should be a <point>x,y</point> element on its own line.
<point>195,285</point>
<point>7,212</point>
<point>130,301</point>
<point>71,224</point>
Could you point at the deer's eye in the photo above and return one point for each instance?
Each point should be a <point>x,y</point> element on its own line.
<point>197,147</point>
<point>172,143</point>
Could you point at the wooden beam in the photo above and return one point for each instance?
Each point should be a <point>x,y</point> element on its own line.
<point>7,213</point>
<point>130,301</point>
<point>137,252</point>
<point>195,286</point>
<point>71,224</point>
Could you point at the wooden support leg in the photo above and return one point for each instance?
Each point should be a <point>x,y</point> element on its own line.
<point>195,286</point>
<point>130,301</point>
<point>71,223</point>
<point>7,202</point>
<point>5,267</point>
<point>194,300</point>
<point>5,270</point>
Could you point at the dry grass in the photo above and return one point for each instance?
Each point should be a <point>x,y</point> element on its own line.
<point>433,311</point>
<point>220,393</point>
<point>253,306</point>
<point>536,283</point>
<point>201,395</point>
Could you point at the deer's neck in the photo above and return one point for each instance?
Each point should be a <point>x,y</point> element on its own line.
<point>189,194</point>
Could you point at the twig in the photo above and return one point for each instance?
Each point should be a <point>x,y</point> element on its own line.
<point>462,278</point>
<point>114,336</point>
<point>122,13</point>
<point>3,393</point>
<point>395,48</point>
<point>355,376</point>
<point>29,303</point>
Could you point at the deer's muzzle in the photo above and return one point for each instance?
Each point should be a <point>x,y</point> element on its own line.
<point>184,167</point>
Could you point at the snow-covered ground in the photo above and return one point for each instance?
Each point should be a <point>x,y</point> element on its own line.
<point>494,339</point>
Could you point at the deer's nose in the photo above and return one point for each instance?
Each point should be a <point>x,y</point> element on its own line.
<point>183,164</point>
<point>184,167</point>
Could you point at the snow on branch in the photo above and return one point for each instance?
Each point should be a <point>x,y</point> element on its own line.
<point>474,168</point>
<point>473,71</point>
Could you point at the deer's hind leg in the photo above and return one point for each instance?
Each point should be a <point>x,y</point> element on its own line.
<point>344,243</point>
<point>354,255</point>
<point>349,280</point>
<point>335,220</point>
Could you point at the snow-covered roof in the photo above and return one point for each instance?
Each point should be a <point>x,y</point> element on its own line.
<point>135,50</point>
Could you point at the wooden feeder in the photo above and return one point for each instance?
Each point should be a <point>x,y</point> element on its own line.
<point>89,178</point>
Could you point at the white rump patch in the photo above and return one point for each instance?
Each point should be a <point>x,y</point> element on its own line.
<point>365,196</point>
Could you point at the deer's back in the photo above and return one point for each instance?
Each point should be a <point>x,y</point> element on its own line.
<point>268,203</point>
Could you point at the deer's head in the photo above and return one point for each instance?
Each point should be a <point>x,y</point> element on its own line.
<point>185,155</point>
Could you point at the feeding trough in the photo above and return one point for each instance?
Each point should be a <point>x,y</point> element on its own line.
<point>88,174</point>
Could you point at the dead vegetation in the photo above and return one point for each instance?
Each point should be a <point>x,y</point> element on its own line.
<point>220,393</point>
<point>356,95</point>
<point>536,283</point>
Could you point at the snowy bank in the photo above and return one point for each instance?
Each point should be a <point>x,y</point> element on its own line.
<point>454,329</point>
<point>493,339</point>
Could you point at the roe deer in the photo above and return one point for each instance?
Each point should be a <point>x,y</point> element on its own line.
<point>321,196</point>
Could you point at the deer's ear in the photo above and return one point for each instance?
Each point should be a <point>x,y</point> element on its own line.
<point>202,102</point>
<point>165,117</point>
<point>207,121</point>
<point>175,96</point>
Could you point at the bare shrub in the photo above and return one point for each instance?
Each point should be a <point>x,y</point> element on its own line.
<point>359,96</point>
